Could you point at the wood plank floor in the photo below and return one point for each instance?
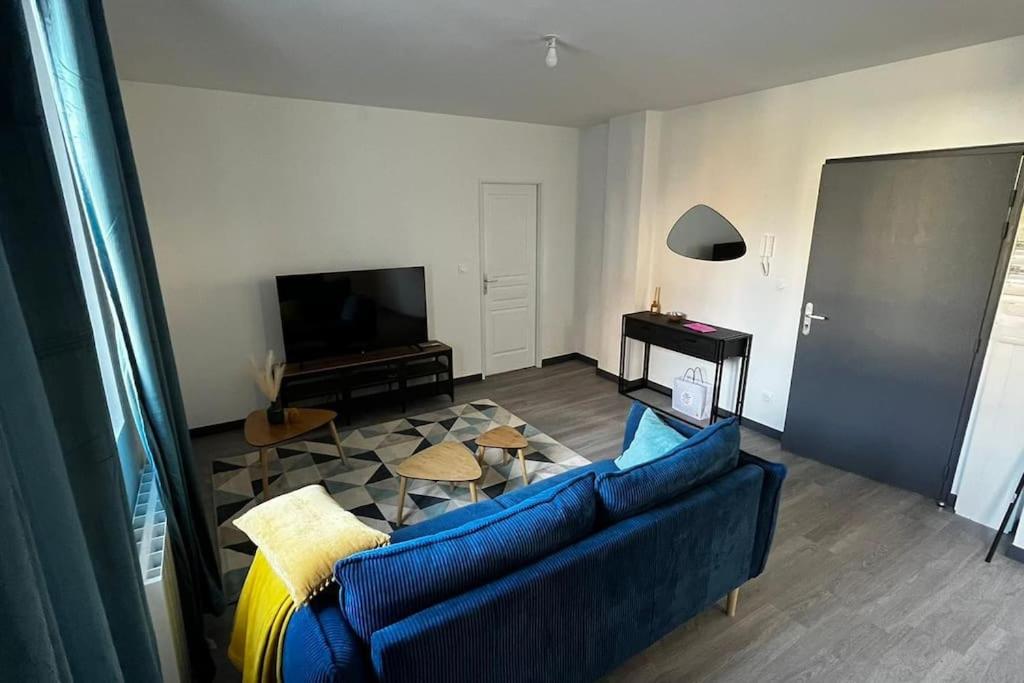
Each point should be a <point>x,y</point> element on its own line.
<point>865,582</point>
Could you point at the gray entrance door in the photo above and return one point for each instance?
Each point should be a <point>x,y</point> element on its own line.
<point>904,255</point>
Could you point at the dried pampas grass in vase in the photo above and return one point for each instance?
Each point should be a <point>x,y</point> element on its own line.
<point>268,379</point>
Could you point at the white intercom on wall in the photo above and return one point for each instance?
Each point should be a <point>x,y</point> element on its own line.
<point>767,252</point>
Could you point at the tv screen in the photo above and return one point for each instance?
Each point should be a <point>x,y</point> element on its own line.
<point>332,314</point>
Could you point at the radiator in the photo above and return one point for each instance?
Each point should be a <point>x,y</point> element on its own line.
<point>158,579</point>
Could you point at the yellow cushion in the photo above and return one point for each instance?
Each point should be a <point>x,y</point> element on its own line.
<point>302,534</point>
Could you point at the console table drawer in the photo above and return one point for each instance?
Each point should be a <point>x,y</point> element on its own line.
<point>681,340</point>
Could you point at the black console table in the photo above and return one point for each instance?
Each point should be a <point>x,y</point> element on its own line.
<point>340,376</point>
<point>717,347</point>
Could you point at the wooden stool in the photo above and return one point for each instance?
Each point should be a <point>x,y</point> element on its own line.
<point>446,461</point>
<point>507,439</point>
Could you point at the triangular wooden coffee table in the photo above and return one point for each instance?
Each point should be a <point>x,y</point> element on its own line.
<point>507,439</point>
<point>261,434</point>
<point>446,461</point>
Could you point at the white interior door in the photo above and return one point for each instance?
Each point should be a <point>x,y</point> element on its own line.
<point>509,259</point>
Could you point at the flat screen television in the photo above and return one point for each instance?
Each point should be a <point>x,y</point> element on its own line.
<point>332,314</point>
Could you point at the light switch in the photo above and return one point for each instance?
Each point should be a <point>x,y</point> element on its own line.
<point>463,269</point>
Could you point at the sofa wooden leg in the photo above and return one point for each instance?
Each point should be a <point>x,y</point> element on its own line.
<point>732,601</point>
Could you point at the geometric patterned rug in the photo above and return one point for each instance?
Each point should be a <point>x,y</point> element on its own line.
<point>367,487</point>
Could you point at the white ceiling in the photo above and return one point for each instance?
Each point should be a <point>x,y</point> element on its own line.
<point>486,58</point>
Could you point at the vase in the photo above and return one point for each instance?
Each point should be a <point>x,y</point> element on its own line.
<point>275,413</point>
<point>656,304</point>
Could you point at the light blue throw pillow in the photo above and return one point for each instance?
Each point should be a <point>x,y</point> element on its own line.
<point>653,439</point>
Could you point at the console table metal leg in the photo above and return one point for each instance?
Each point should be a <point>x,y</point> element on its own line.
<point>717,390</point>
<point>622,358</point>
<point>741,395</point>
<point>647,363</point>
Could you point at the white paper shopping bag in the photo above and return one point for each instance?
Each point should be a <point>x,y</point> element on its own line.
<point>691,395</point>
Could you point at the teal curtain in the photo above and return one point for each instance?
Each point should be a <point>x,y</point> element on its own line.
<point>71,594</point>
<point>89,103</point>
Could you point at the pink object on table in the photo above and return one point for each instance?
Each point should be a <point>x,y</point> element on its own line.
<point>700,327</point>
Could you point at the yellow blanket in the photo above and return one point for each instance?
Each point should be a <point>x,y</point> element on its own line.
<point>261,618</point>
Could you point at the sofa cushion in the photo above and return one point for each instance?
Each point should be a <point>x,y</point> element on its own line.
<point>579,613</point>
<point>652,440</point>
<point>507,500</point>
<point>448,520</point>
<point>484,508</point>
<point>460,516</point>
<point>706,455</point>
<point>380,587</point>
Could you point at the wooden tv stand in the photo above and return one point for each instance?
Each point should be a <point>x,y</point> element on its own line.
<point>343,377</point>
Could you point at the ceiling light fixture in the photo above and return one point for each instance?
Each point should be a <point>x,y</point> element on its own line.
<point>551,58</point>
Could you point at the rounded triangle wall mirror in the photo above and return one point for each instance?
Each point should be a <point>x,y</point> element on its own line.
<point>703,233</point>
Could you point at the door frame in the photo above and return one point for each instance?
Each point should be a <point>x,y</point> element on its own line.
<point>538,274</point>
<point>1013,216</point>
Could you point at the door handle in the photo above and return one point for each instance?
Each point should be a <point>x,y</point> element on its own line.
<point>488,281</point>
<point>808,317</point>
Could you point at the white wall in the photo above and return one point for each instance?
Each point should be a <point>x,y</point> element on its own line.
<point>592,177</point>
<point>623,267</point>
<point>757,159</point>
<point>240,187</point>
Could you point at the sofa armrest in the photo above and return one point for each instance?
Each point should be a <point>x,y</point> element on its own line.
<point>320,647</point>
<point>768,508</point>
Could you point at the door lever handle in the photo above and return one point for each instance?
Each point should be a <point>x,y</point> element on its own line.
<point>809,316</point>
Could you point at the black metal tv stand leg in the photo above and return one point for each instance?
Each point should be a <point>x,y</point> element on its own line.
<point>1006,520</point>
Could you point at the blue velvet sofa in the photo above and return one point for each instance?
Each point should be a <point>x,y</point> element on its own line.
<point>579,598</point>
